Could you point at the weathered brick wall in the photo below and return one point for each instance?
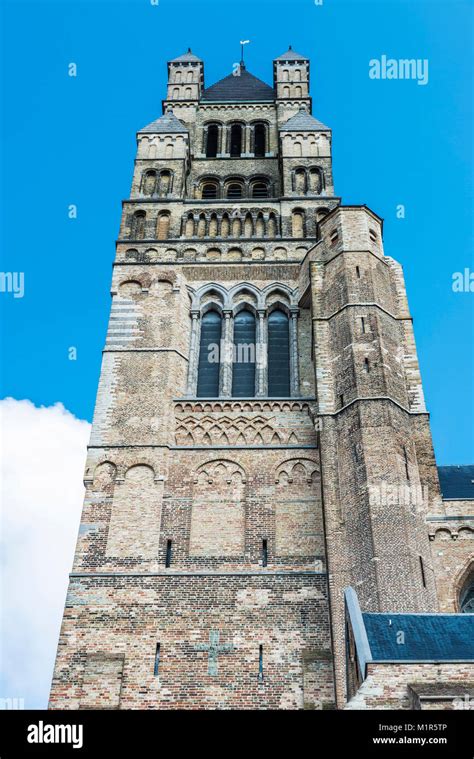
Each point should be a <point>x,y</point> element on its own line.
<point>452,549</point>
<point>127,616</point>
<point>395,685</point>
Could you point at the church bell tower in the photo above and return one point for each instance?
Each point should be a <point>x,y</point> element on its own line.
<point>259,385</point>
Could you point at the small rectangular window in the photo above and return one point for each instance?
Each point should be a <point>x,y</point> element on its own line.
<point>341,400</point>
<point>168,553</point>
<point>358,272</point>
<point>362,324</point>
<point>367,365</point>
<point>260,663</point>
<point>264,552</point>
<point>157,660</point>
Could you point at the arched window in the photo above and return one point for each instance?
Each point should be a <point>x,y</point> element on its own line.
<point>209,190</point>
<point>243,369</point>
<point>236,226</point>
<point>149,183</point>
<point>278,355</point>
<point>137,229</point>
<point>235,190</point>
<point>248,225</point>
<point>297,223</point>
<point>300,181</point>
<point>298,92</point>
<point>165,183</point>
<point>213,225</point>
<point>202,225</point>
<point>272,225</point>
<point>187,94</point>
<point>466,597</point>
<point>316,181</point>
<point>209,355</point>
<point>236,140</point>
<point>286,92</point>
<point>212,140</point>
<point>260,189</point>
<point>225,225</point>
<point>163,225</point>
<point>259,137</point>
<point>189,227</point>
<point>178,76</point>
<point>260,226</point>
<point>286,75</point>
<point>190,76</point>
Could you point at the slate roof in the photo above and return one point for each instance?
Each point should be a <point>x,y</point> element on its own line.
<point>457,481</point>
<point>167,124</point>
<point>240,88</point>
<point>428,637</point>
<point>291,55</point>
<point>304,122</point>
<point>187,57</point>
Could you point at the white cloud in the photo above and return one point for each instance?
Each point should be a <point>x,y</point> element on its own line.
<point>43,455</point>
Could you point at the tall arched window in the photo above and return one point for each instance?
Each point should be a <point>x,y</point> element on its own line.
<point>212,140</point>
<point>297,223</point>
<point>163,225</point>
<point>209,355</point>
<point>259,140</point>
<point>189,226</point>
<point>149,182</point>
<point>236,140</point>
<point>278,355</point>
<point>137,229</point>
<point>165,183</point>
<point>243,369</point>
<point>466,597</point>
<point>316,180</point>
<point>300,181</point>
<point>202,225</point>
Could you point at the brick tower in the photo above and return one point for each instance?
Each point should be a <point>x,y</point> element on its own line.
<point>259,392</point>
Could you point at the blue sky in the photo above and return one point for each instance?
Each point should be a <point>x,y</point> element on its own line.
<point>72,141</point>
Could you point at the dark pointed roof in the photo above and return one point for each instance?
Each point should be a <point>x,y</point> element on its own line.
<point>188,57</point>
<point>245,86</point>
<point>457,482</point>
<point>304,122</point>
<point>167,124</point>
<point>291,55</point>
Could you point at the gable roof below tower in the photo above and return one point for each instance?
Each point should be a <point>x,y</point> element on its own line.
<point>243,87</point>
<point>304,122</point>
<point>166,124</point>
